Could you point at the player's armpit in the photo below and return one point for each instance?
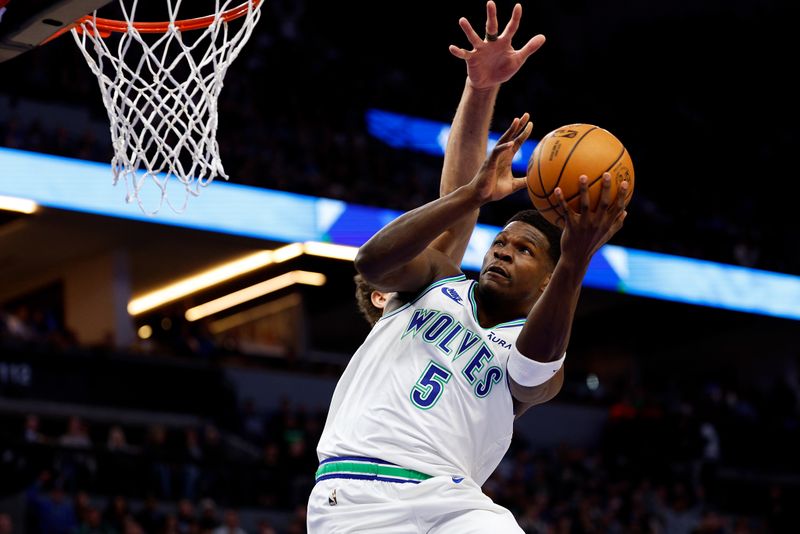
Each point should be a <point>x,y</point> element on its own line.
<point>525,397</point>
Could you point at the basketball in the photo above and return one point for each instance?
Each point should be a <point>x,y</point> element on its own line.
<point>565,154</point>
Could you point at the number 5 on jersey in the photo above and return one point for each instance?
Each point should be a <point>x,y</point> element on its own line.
<point>429,387</point>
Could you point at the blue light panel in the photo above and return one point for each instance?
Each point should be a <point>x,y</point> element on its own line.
<point>402,131</point>
<point>234,209</point>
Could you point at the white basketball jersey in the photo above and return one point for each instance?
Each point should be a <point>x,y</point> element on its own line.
<point>427,390</point>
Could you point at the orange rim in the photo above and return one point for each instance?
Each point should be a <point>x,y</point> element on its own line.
<point>105,27</point>
<point>121,26</point>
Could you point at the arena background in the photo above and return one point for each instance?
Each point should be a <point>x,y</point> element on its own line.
<point>674,417</point>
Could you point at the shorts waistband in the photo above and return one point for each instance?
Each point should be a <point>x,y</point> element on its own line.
<point>359,468</point>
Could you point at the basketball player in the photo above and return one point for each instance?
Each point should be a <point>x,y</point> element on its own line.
<point>492,62</point>
<point>424,411</point>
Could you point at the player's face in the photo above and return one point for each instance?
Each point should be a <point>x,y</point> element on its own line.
<point>517,265</point>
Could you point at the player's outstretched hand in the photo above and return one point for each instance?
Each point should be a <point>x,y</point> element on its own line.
<point>587,231</point>
<point>495,179</point>
<point>493,59</point>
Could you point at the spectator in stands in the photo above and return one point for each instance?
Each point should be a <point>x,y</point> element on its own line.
<point>116,513</point>
<point>76,435</point>
<point>230,524</point>
<point>272,473</point>
<point>76,463</point>
<point>82,504</point>
<point>171,526</point>
<point>298,523</point>
<point>208,515</point>
<point>191,464</point>
<point>150,517</point>
<point>264,527</point>
<point>158,457</point>
<point>32,433</point>
<point>186,520</point>
<point>50,511</point>
<point>130,526</point>
<point>6,525</point>
<point>94,524</point>
<point>214,470</point>
<point>252,424</point>
<point>677,513</point>
<point>118,466</point>
<point>18,324</point>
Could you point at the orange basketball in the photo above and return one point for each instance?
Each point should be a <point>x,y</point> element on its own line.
<point>565,154</point>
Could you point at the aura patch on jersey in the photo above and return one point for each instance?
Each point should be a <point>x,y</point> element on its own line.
<point>498,340</point>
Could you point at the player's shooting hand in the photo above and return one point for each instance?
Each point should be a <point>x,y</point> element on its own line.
<point>494,179</point>
<point>494,61</point>
<point>587,231</point>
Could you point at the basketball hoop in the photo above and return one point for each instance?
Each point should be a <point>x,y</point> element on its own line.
<point>160,89</point>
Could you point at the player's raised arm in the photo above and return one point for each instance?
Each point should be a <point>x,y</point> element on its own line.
<point>399,256</point>
<point>491,62</point>
<point>542,343</point>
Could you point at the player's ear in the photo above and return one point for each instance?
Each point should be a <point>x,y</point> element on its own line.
<point>378,299</point>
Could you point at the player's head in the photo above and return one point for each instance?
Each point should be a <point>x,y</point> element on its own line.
<point>371,302</point>
<point>518,264</point>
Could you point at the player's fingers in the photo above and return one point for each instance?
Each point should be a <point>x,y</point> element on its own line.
<point>615,226</point>
<point>473,38</point>
<point>523,121</point>
<point>534,44</point>
<point>617,206</point>
<point>622,194</point>
<point>500,148</point>
<point>459,52</point>
<point>605,193</point>
<point>513,24</point>
<point>518,183</point>
<point>510,133</point>
<point>498,152</point>
<point>562,202</point>
<point>491,18</point>
<point>523,136</point>
<point>583,187</point>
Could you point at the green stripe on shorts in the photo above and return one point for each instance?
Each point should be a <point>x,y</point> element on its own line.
<point>367,468</point>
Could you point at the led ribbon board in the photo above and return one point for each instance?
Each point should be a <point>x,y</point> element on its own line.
<point>277,216</point>
<point>402,131</point>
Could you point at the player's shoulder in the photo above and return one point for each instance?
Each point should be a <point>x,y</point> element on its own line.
<point>452,286</point>
<point>437,294</point>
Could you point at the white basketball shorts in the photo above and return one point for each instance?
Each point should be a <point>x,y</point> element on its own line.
<point>361,495</point>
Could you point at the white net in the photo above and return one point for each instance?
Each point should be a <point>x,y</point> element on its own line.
<point>161,92</point>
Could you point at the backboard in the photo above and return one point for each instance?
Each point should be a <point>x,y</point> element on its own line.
<point>25,24</point>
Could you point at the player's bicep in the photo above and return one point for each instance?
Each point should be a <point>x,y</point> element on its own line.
<point>453,242</point>
<point>525,396</point>
<point>421,271</point>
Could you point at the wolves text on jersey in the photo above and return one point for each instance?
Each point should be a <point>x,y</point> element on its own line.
<point>451,338</point>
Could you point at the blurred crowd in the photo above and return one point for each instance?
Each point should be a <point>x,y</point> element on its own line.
<point>653,470</point>
<point>182,479</point>
<point>310,137</point>
<point>707,459</point>
<point>36,325</point>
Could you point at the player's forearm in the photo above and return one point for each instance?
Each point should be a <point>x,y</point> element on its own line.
<point>468,139</point>
<point>464,154</point>
<point>546,333</point>
<point>410,234</point>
